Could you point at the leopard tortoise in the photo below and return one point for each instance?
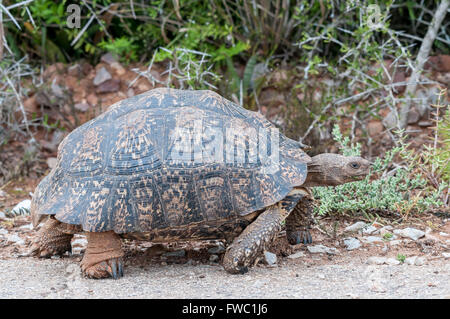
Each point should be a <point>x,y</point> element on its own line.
<point>177,165</point>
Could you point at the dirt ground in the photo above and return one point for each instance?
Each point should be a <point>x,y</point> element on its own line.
<point>152,272</point>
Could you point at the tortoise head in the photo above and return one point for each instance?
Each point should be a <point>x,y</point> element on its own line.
<point>333,169</point>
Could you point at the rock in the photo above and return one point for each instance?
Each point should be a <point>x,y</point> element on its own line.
<point>118,68</point>
<point>411,233</point>
<point>31,105</point>
<point>390,121</point>
<point>425,123</point>
<point>298,254</point>
<point>375,128</point>
<point>392,261</point>
<point>399,78</point>
<point>410,260</point>
<point>2,215</point>
<point>74,70</point>
<point>15,239</point>
<point>2,193</point>
<point>56,89</point>
<point>92,99</point>
<point>395,242</point>
<point>352,243</point>
<point>446,255</point>
<point>355,227</point>
<point>217,250</point>
<point>107,86</point>
<point>420,261</point>
<point>443,234</point>
<point>130,92</point>
<point>26,227</point>
<point>108,58</point>
<point>270,258</point>
<point>321,249</point>
<point>374,260</point>
<point>369,230</point>
<point>213,258</point>
<point>176,253</point>
<point>83,107</point>
<point>3,232</point>
<point>51,162</point>
<point>102,76</point>
<point>23,208</point>
<point>413,116</point>
<point>79,245</point>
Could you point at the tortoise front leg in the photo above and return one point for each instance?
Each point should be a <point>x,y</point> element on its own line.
<point>298,223</point>
<point>245,248</point>
<point>103,256</point>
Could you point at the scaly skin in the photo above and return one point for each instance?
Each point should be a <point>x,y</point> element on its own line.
<point>53,239</point>
<point>252,241</point>
<point>103,256</point>
<point>298,223</point>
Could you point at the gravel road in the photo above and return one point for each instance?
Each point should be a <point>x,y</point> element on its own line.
<point>60,278</point>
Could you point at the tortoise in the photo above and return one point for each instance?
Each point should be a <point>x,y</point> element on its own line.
<point>180,165</point>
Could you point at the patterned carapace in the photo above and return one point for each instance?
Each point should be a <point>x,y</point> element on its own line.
<point>124,170</point>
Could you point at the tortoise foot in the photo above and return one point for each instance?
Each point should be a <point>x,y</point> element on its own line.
<point>51,241</point>
<point>103,256</point>
<point>299,237</point>
<point>109,268</point>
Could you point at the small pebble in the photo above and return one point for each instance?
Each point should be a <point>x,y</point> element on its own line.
<point>296,255</point>
<point>411,233</point>
<point>355,227</point>
<point>270,258</point>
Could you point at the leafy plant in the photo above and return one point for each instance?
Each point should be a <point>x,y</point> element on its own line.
<point>390,187</point>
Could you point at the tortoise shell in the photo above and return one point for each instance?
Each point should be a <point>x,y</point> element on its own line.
<point>125,170</point>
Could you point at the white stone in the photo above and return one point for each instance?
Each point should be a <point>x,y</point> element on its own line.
<point>2,215</point>
<point>27,227</point>
<point>369,230</point>
<point>321,249</point>
<point>22,207</point>
<point>444,234</point>
<point>374,260</point>
<point>15,239</point>
<point>411,233</point>
<point>102,76</point>
<point>3,231</point>
<point>395,242</point>
<point>446,255</point>
<point>355,227</point>
<point>270,258</point>
<point>410,260</point>
<point>296,255</point>
<point>392,261</point>
<point>419,261</point>
<point>352,243</point>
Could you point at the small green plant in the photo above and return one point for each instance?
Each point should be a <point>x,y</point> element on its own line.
<point>401,258</point>
<point>390,187</point>
<point>388,236</point>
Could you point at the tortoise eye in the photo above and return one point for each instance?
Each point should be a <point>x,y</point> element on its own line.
<point>354,165</point>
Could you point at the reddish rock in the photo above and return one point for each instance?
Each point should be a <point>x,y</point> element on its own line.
<point>92,99</point>
<point>83,107</point>
<point>374,128</point>
<point>413,116</point>
<point>31,105</point>
<point>399,77</point>
<point>439,63</point>
<point>111,85</point>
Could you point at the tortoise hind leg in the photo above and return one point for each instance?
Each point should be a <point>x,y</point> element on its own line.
<point>53,239</point>
<point>103,256</point>
<point>245,248</point>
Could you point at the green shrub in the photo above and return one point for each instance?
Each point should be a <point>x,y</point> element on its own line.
<point>390,187</point>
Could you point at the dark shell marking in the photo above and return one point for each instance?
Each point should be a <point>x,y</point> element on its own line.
<point>117,171</point>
